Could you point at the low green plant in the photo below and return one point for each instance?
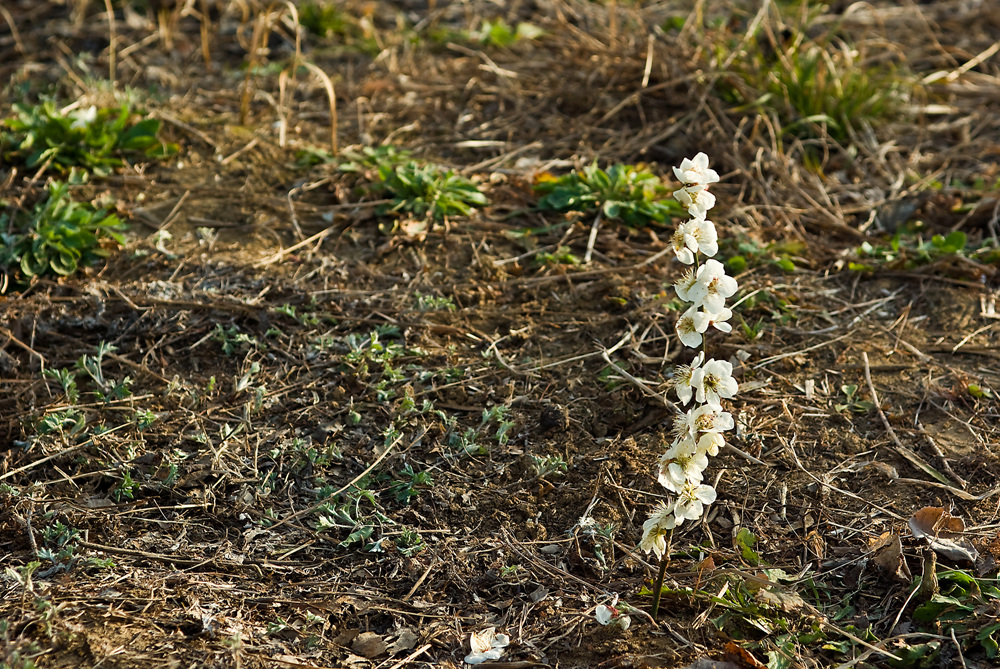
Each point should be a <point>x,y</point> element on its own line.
<point>406,488</point>
<point>959,605</point>
<point>16,651</point>
<point>468,441</point>
<point>60,544</point>
<point>347,511</point>
<point>323,19</point>
<point>126,488</point>
<point>67,379</point>
<point>376,356</point>
<point>629,193</point>
<point>327,20</point>
<point>909,248</point>
<point>429,190</point>
<point>816,86</point>
<point>232,340</point>
<point>409,542</point>
<point>69,423</point>
<point>92,138</point>
<point>563,255</point>
<point>499,33</point>
<point>603,537</point>
<point>852,402</point>
<point>108,389</point>
<point>420,189</point>
<point>549,464</point>
<point>370,159</point>
<point>742,253</point>
<point>58,236</point>
<point>435,302</point>
<point>979,392</point>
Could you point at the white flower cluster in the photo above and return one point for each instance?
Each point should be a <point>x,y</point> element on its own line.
<point>698,432</point>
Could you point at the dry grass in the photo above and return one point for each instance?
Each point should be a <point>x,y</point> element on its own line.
<point>263,518</point>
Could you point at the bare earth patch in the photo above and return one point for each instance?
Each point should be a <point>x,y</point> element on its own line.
<point>352,436</point>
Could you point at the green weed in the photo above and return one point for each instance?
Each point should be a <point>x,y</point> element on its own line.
<point>816,87</point>
<point>467,441</point>
<point>629,193</point>
<point>751,331</point>
<point>420,189</point>
<point>58,236</point>
<point>17,652</point>
<point>67,379</point>
<point>108,389</point>
<point>429,190</point>
<point>960,605</point>
<point>370,159</point>
<point>742,253</point>
<point>563,255</point>
<point>93,139</point>
<point>499,33</point>
<point>979,392</point>
<point>435,302</point>
<point>407,486</point>
<point>909,248</point>
<point>328,21</point>
<point>232,340</point>
<point>409,542</point>
<point>550,464</point>
<point>852,402</point>
<point>68,423</point>
<point>602,538</point>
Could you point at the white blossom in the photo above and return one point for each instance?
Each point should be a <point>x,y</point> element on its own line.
<point>682,379</point>
<point>696,171</point>
<point>682,447</point>
<point>695,236</point>
<point>692,500</point>
<point>678,472</point>
<point>718,320</point>
<point>697,432</point>
<point>713,382</point>
<point>654,530</point>
<point>710,442</point>
<point>712,286</point>
<point>486,645</point>
<point>696,199</point>
<point>607,614</point>
<point>691,325</point>
<point>604,614</point>
<point>707,418</point>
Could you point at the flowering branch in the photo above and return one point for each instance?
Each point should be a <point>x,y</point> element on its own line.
<point>697,432</point>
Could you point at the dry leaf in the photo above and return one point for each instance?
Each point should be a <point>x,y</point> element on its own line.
<point>934,521</point>
<point>887,554</point>
<point>785,600</point>
<point>943,533</point>
<point>740,656</point>
<point>407,640</point>
<point>368,644</point>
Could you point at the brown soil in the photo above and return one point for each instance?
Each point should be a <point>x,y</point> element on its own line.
<point>222,553</point>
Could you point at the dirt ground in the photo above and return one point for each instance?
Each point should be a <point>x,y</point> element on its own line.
<point>351,410</point>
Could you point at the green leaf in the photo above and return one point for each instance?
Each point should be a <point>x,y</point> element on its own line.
<point>937,606</point>
<point>956,240</point>
<point>920,655</point>
<point>786,264</point>
<point>736,264</point>
<point>745,541</point>
<point>986,640</point>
